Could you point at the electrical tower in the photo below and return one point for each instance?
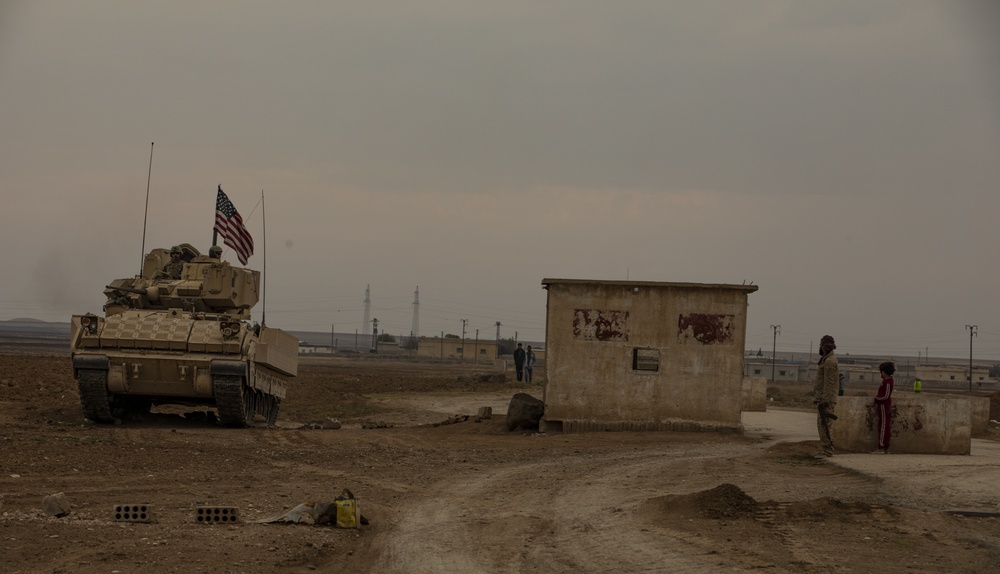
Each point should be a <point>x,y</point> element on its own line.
<point>415,325</point>
<point>368,308</point>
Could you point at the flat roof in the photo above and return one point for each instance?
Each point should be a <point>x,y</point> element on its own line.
<point>747,288</point>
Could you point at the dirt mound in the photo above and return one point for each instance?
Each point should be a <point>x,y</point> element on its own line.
<point>723,501</point>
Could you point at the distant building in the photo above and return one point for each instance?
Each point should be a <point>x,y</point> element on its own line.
<point>309,349</point>
<point>954,376</point>
<point>760,367</point>
<point>644,355</point>
<point>470,350</point>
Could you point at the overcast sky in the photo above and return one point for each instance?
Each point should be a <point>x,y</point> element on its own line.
<point>844,156</point>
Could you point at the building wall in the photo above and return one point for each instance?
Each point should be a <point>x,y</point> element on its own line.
<point>484,351</point>
<point>602,335</point>
<point>952,375</point>
<point>920,425</point>
<point>754,394</point>
<point>762,368</point>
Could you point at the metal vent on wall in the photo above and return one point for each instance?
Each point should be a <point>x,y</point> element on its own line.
<point>645,359</point>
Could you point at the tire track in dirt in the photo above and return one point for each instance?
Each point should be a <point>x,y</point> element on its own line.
<point>594,497</point>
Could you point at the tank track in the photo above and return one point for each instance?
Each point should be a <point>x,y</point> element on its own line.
<point>232,400</point>
<point>238,404</point>
<point>94,395</point>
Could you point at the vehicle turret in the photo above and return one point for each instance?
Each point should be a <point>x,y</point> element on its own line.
<point>182,338</point>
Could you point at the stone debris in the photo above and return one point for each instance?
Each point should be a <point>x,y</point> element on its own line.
<point>328,424</point>
<point>452,420</point>
<point>56,505</point>
<point>376,425</point>
<point>524,412</point>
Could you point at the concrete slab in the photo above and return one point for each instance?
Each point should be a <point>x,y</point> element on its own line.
<point>966,482</point>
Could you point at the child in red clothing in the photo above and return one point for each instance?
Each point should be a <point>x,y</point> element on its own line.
<point>883,406</point>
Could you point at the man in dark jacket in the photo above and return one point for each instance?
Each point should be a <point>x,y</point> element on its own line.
<point>519,361</point>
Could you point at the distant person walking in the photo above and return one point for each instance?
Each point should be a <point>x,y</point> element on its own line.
<point>529,364</point>
<point>917,387</point>
<point>883,406</point>
<point>840,392</point>
<point>519,361</point>
<point>825,394</point>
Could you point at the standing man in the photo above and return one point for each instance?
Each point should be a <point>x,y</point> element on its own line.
<point>519,361</point>
<point>825,394</point>
<point>529,364</point>
<point>883,405</point>
<point>916,385</point>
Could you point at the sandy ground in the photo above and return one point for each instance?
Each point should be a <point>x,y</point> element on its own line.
<point>467,497</point>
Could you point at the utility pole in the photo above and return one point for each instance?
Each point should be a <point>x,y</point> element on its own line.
<point>774,348</point>
<point>368,307</point>
<point>498,341</point>
<point>973,331</point>
<point>464,323</point>
<point>475,350</point>
<point>333,338</point>
<point>415,324</point>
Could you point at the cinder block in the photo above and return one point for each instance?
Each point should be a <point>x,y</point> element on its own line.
<point>217,514</point>
<point>133,513</point>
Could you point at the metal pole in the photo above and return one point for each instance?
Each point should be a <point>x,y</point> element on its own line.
<point>464,323</point>
<point>146,216</point>
<point>774,348</point>
<point>498,341</point>
<point>972,332</point>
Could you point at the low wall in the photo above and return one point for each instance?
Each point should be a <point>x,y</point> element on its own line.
<point>754,394</point>
<point>979,408</point>
<point>920,425</point>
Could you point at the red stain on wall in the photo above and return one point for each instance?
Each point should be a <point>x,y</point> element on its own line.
<point>597,325</point>
<point>706,328</point>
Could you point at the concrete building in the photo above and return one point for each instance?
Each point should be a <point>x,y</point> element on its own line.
<point>783,370</point>
<point>954,376</point>
<point>452,348</point>
<point>644,355</point>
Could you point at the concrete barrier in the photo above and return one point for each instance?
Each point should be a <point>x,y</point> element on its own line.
<point>979,408</point>
<point>754,394</point>
<point>920,425</point>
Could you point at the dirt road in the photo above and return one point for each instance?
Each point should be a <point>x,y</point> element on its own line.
<point>467,497</point>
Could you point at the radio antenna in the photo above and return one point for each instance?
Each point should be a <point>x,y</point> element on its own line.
<point>263,217</point>
<point>146,214</point>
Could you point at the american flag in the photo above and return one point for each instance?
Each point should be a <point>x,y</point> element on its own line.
<point>229,224</point>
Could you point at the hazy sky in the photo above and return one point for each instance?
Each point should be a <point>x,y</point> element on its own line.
<point>844,156</point>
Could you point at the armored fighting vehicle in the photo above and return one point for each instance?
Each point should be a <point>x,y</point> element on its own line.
<point>186,341</point>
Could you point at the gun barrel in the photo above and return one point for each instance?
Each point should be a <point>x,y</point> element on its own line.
<point>135,290</point>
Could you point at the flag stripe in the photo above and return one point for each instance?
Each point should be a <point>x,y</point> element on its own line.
<point>230,226</point>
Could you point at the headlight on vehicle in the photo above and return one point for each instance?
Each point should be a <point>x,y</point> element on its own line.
<point>89,323</point>
<point>229,330</point>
